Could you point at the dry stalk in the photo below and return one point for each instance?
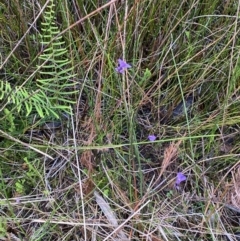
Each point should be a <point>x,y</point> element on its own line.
<point>170,155</point>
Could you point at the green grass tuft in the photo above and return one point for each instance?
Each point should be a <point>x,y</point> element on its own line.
<point>75,159</point>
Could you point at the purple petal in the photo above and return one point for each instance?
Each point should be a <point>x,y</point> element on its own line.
<point>152,137</point>
<point>180,178</point>
<point>119,70</point>
<point>122,65</point>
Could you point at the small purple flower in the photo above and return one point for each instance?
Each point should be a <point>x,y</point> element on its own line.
<point>152,137</point>
<point>122,66</point>
<point>180,178</point>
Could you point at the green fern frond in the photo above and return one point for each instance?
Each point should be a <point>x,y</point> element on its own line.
<point>21,99</point>
<point>54,67</point>
<point>49,94</point>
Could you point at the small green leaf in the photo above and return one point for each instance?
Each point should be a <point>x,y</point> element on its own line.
<point>187,34</point>
<point>146,76</point>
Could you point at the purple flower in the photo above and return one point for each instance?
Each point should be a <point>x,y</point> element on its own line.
<point>180,178</point>
<point>122,66</point>
<point>152,138</point>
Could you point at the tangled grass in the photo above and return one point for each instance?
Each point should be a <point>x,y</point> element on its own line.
<point>93,173</point>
